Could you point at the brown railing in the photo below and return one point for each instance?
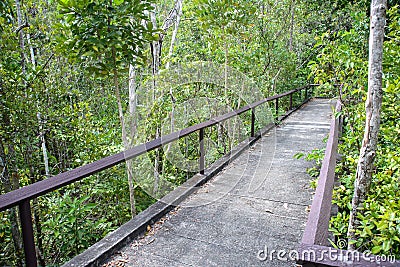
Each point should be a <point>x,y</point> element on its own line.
<point>316,230</point>
<point>22,196</point>
<point>314,250</point>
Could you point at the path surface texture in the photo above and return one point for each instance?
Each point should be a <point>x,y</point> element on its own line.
<point>244,216</point>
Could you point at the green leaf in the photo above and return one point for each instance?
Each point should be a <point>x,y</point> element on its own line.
<point>299,155</point>
<point>376,249</point>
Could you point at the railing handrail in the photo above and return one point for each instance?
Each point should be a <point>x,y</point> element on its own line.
<point>314,249</point>
<point>316,229</point>
<point>40,188</point>
<point>21,197</point>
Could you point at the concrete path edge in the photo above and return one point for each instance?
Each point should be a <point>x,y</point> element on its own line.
<point>106,247</point>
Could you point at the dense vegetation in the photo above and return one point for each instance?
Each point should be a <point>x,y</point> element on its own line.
<point>81,80</point>
<point>343,60</point>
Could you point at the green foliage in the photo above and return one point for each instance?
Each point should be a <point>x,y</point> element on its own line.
<point>72,39</point>
<point>253,38</point>
<point>316,156</point>
<point>343,60</point>
<point>67,224</point>
<point>5,238</point>
<point>226,15</point>
<point>108,34</point>
<point>333,15</point>
<point>6,16</point>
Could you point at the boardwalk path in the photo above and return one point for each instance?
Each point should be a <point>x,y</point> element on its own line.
<point>256,206</point>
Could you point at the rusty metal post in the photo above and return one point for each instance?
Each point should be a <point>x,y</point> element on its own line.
<point>300,95</point>
<point>27,233</point>
<point>253,119</point>
<point>202,155</point>
<point>305,98</point>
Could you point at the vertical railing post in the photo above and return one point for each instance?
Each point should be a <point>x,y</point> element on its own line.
<point>202,155</point>
<point>276,107</point>
<point>305,98</point>
<point>27,233</point>
<point>300,98</point>
<point>253,119</point>
<point>291,102</point>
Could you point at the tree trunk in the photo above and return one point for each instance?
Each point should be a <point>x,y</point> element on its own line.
<point>155,47</point>
<point>221,137</point>
<point>32,52</point>
<point>373,105</point>
<point>172,129</point>
<point>155,53</point>
<point>132,131</point>
<point>21,35</point>
<point>156,50</point>
<point>178,6</point>
<point>292,25</point>
<point>41,133</point>
<point>178,11</point>
<point>124,136</point>
<point>274,82</point>
<point>226,63</point>
<point>44,148</point>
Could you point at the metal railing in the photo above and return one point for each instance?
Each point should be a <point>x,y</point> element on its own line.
<point>314,250</point>
<point>22,196</point>
<point>316,230</point>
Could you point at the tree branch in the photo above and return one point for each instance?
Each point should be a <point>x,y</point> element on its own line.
<point>20,27</point>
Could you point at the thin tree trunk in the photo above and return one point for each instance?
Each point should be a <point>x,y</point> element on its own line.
<point>172,129</point>
<point>132,96</point>
<point>178,5</point>
<point>132,131</point>
<point>274,79</point>
<point>32,52</point>
<point>156,49</point>
<point>36,209</point>
<point>125,141</point>
<point>292,25</point>
<point>124,135</point>
<point>226,52</point>
<point>373,105</point>
<point>236,124</point>
<point>21,36</point>
<point>44,148</point>
<point>155,53</point>
<point>132,104</point>
<point>221,139</point>
<point>41,133</point>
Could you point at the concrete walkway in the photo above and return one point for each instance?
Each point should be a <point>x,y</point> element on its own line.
<point>242,217</point>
